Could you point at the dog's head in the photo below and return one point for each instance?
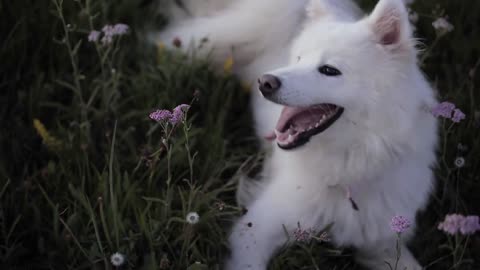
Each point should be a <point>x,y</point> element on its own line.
<point>347,78</point>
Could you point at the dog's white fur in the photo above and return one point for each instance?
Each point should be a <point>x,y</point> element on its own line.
<point>382,147</point>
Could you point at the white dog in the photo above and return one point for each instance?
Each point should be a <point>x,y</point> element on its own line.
<point>346,109</point>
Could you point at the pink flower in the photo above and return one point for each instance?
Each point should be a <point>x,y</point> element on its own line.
<point>120,29</point>
<point>455,223</point>
<point>106,40</point>
<point>173,117</point>
<point>301,235</point>
<point>469,225</point>
<point>93,36</point>
<point>448,110</point>
<point>161,116</point>
<point>178,113</point>
<point>442,26</point>
<point>443,109</point>
<point>458,116</point>
<point>110,31</point>
<point>451,224</point>
<point>399,224</point>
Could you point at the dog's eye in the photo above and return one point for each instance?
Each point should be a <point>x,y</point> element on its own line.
<point>329,71</point>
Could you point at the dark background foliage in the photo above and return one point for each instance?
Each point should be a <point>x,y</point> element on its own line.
<point>103,188</point>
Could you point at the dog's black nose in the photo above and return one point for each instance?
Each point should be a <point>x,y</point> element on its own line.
<point>268,84</point>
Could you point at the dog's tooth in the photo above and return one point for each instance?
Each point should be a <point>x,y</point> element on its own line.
<point>290,138</point>
<point>317,125</point>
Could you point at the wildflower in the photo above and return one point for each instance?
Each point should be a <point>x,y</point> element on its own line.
<point>459,162</point>
<point>301,235</point>
<point>161,115</point>
<point>177,42</point>
<point>399,224</point>
<point>324,237</point>
<point>178,113</point>
<point>115,30</point>
<point>451,224</point>
<point>455,223</point>
<point>448,110</point>
<point>120,29</point>
<point>469,225</point>
<point>49,140</point>
<point>219,205</point>
<point>458,116</point>
<point>192,218</point>
<point>109,31</point>
<point>93,36</point>
<point>106,40</point>
<point>228,64</point>
<point>117,259</point>
<point>443,109</point>
<point>442,26</point>
<point>174,117</point>
<point>160,51</point>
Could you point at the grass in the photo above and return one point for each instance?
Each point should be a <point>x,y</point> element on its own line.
<point>105,179</point>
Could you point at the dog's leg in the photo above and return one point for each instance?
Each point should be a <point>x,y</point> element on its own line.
<point>378,257</point>
<point>243,30</point>
<point>219,37</point>
<point>178,10</point>
<point>266,226</point>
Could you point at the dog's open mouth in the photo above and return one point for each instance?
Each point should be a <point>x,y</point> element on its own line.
<point>297,125</point>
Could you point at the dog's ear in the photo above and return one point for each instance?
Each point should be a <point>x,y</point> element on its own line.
<point>389,23</point>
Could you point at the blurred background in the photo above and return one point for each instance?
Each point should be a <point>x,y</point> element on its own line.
<point>85,174</point>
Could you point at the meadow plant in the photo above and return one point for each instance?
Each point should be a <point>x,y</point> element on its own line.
<point>117,259</point>
<point>459,229</point>
<point>449,111</point>
<point>398,224</point>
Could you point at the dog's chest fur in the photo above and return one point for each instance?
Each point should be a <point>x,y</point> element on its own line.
<point>320,186</point>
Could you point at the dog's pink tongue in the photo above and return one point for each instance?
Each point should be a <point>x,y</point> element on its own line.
<point>281,137</point>
<point>270,136</point>
<point>287,114</point>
